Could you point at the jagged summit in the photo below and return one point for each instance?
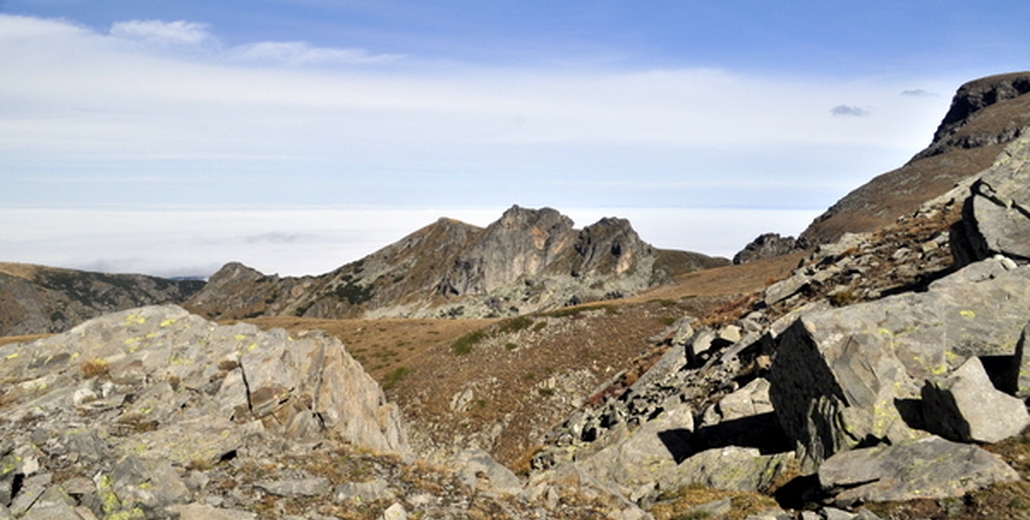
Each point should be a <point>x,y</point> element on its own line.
<point>527,260</point>
<point>985,115</point>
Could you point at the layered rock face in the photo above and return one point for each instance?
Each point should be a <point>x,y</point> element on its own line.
<point>39,300</point>
<point>528,260</point>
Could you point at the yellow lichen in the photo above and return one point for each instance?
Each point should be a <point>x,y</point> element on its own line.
<point>132,318</point>
<point>168,322</point>
<point>967,314</point>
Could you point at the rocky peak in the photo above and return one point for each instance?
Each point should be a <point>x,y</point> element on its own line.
<point>985,115</point>
<point>767,245</point>
<point>610,246</point>
<point>976,95</point>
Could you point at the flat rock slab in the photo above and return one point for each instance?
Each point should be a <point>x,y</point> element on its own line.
<point>928,468</point>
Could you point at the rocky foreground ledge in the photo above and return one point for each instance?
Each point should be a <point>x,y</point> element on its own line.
<point>156,413</point>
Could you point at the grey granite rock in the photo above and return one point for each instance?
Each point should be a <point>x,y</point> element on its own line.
<point>965,407</point>
<point>927,468</point>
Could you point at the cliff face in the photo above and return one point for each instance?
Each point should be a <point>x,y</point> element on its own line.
<point>528,260</point>
<point>985,115</point>
<point>39,300</point>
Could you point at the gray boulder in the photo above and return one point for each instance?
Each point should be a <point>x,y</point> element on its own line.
<point>997,215</point>
<point>928,468</point>
<point>478,469</point>
<point>647,454</point>
<point>731,468</point>
<point>839,375</point>
<point>965,407</point>
<point>1019,374</point>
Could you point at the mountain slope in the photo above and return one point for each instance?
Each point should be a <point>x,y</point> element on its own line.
<point>985,115</point>
<point>528,260</point>
<point>36,299</point>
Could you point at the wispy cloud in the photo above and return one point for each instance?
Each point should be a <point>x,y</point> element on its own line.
<point>303,53</point>
<point>849,111</point>
<point>160,32</point>
<point>919,93</point>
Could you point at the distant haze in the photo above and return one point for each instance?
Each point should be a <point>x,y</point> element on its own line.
<point>321,131</point>
<point>314,241</point>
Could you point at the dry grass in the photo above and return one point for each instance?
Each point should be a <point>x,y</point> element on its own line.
<point>382,346</point>
<point>93,368</point>
<point>674,507</point>
<point>26,271</point>
<point>5,340</point>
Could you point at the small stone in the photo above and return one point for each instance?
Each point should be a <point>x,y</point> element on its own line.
<point>395,512</point>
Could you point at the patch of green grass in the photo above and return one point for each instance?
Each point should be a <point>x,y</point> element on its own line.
<point>539,326</point>
<point>393,376</point>
<point>546,392</point>
<point>514,325</point>
<point>464,344</point>
<point>510,346</point>
<point>566,312</point>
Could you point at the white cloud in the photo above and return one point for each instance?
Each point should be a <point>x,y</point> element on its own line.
<point>86,105</point>
<point>303,53</point>
<point>160,32</point>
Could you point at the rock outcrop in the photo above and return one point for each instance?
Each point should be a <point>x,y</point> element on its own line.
<point>39,300</point>
<point>528,260</point>
<point>767,245</point>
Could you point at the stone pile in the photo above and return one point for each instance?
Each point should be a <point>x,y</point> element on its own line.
<point>877,368</point>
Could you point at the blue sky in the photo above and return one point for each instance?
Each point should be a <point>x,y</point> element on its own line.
<point>594,108</point>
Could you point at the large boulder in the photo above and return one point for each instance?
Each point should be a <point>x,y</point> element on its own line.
<point>965,407</point>
<point>847,376</point>
<point>997,215</point>
<point>928,468</point>
<point>642,457</point>
<point>730,468</point>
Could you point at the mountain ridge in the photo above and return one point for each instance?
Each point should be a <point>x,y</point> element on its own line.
<point>526,261</point>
